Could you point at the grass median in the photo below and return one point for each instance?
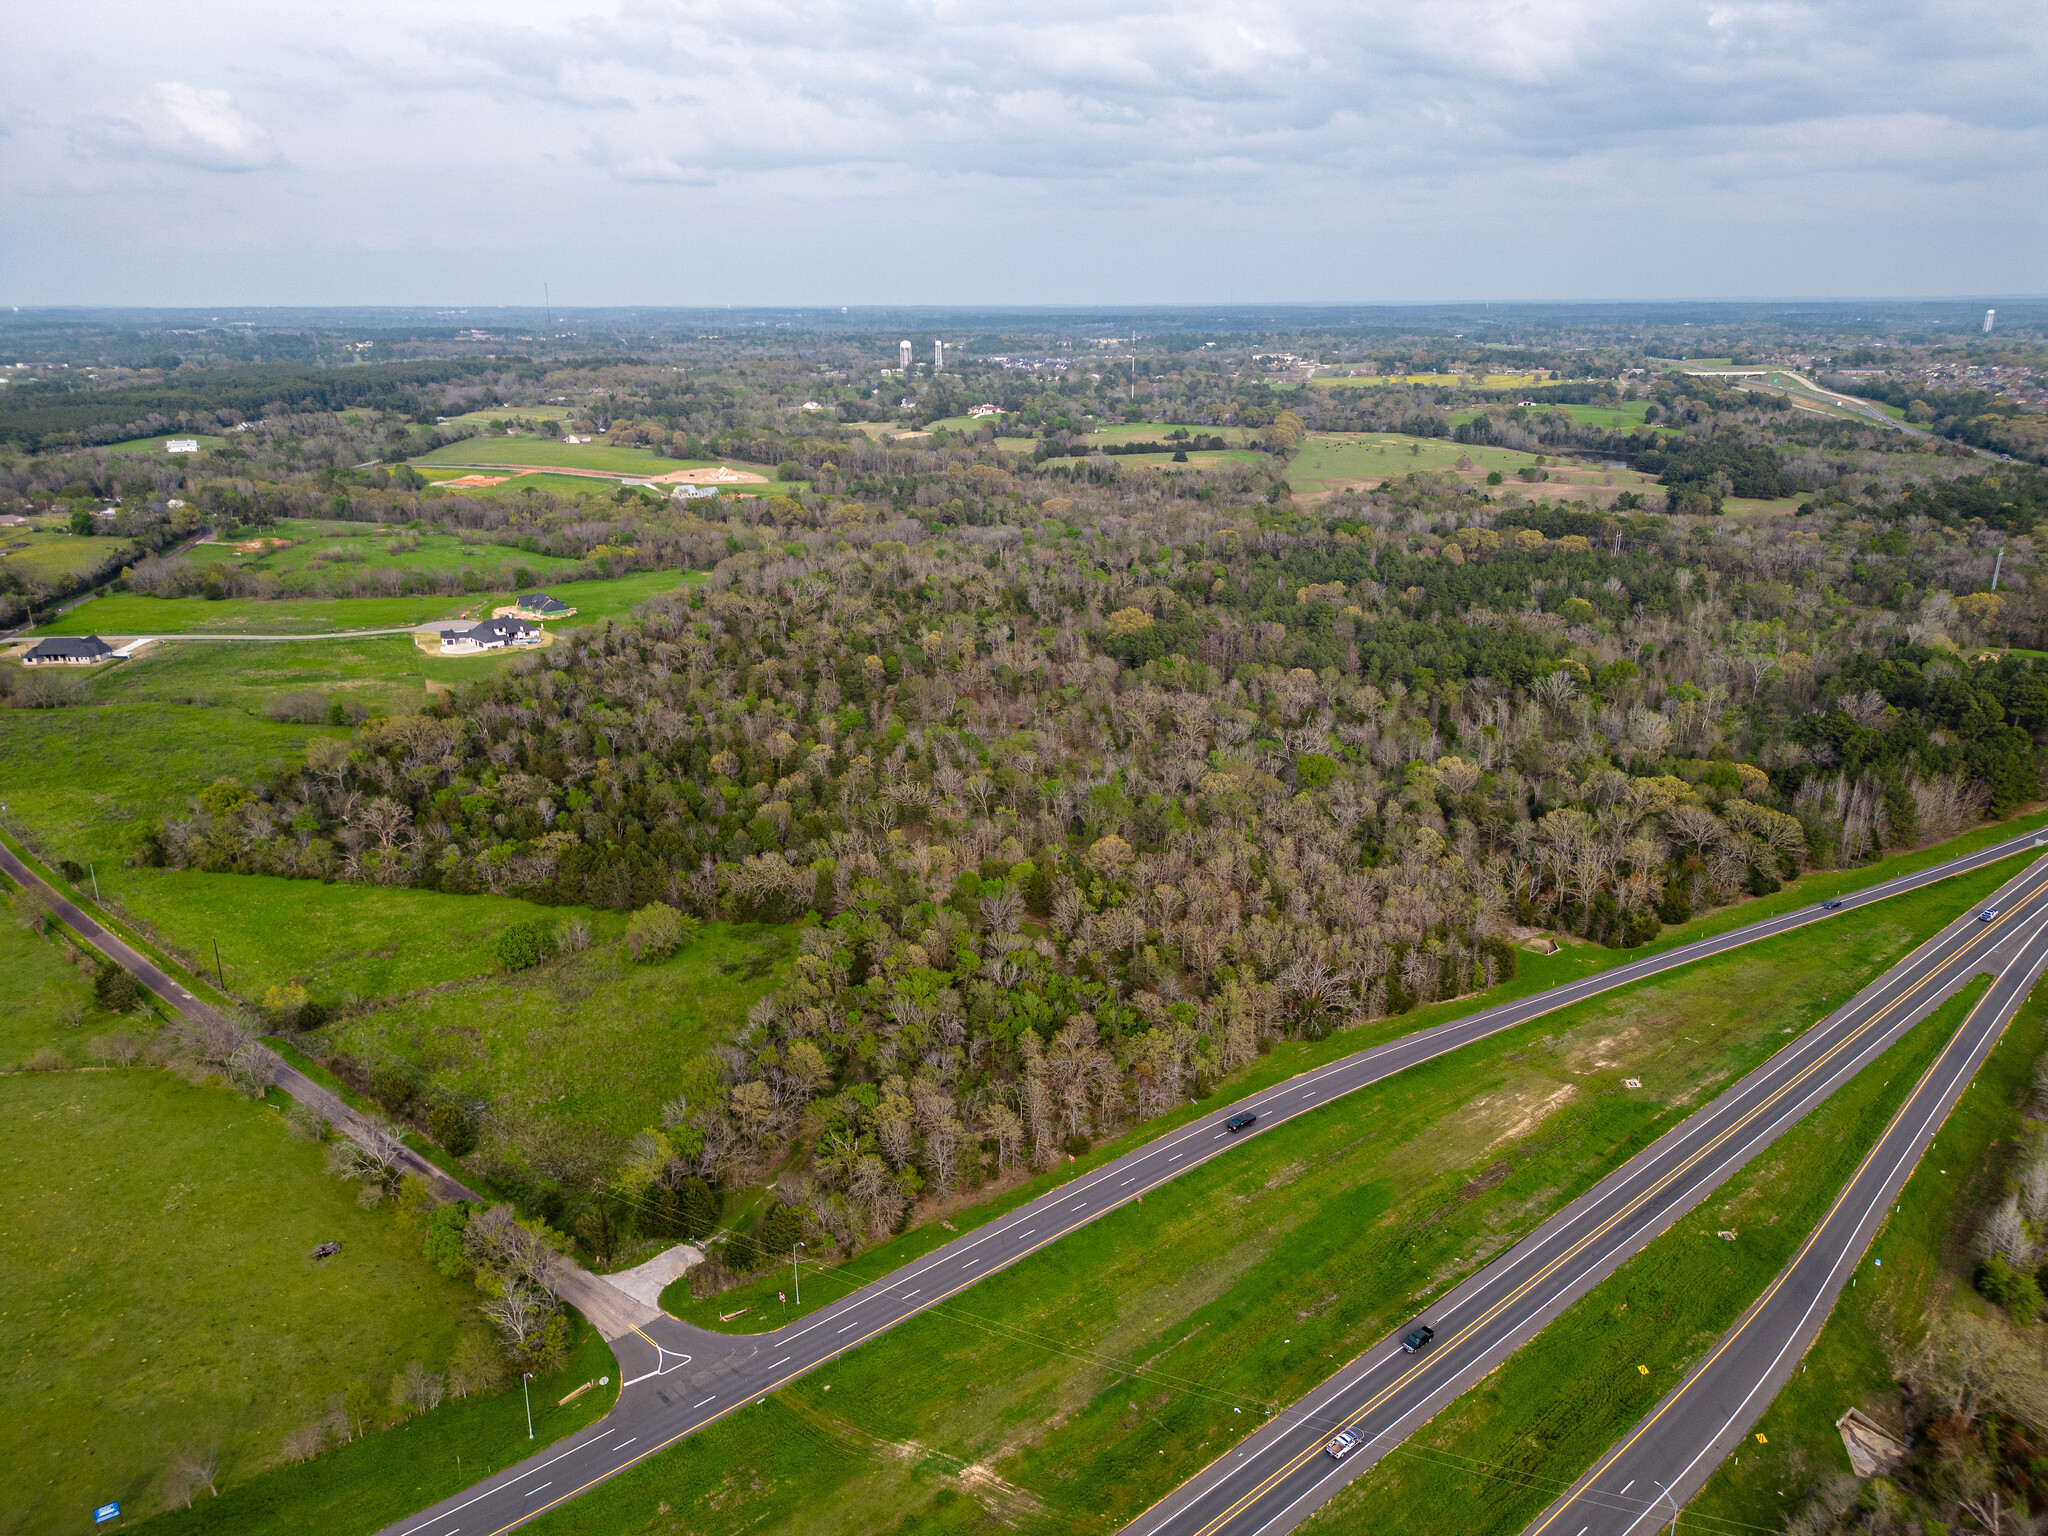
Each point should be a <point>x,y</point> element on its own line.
<point>1492,1460</point>
<point>1079,1386</point>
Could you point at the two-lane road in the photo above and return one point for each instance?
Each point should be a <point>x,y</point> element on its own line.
<point>1281,1474</point>
<point>679,1378</point>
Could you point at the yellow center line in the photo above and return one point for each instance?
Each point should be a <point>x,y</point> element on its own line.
<point>1942,968</point>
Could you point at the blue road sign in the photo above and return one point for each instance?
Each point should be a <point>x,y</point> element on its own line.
<point>105,1513</point>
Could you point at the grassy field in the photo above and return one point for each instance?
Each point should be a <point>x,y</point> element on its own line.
<point>129,614</point>
<point>84,783</point>
<point>1923,1257</point>
<point>49,1003</point>
<point>384,673</point>
<point>576,1056</point>
<point>1493,1459</point>
<point>1104,1370</point>
<point>1625,416</point>
<point>382,1478</point>
<point>554,485</point>
<point>53,555</point>
<point>155,445</point>
<point>1330,461</point>
<point>312,550</point>
<point>551,451</point>
<point>162,1296</point>
<point>1475,381</point>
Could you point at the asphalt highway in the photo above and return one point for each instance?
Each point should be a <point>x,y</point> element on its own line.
<point>1640,1484</point>
<point>676,1379</point>
<point>1281,1473</point>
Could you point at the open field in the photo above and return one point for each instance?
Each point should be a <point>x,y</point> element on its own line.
<point>131,614</point>
<point>1331,461</point>
<point>381,1478</point>
<point>155,445</point>
<point>383,673</point>
<point>85,783</point>
<point>1493,1459</point>
<point>1468,380</point>
<point>310,550</point>
<point>1200,460</point>
<point>1626,416</point>
<point>1102,1371</point>
<point>54,556</point>
<point>44,993</point>
<point>549,450</point>
<point>576,1056</point>
<point>178,1308</point>
<point>513,484</point>
<point>1924,1256</point>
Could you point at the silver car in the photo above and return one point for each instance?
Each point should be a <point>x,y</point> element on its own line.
<point>1345,1443</point>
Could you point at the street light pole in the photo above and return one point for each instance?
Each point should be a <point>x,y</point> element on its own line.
<point>527,1393</point>
<point>796,1279</point>
<point>1667,1493</point>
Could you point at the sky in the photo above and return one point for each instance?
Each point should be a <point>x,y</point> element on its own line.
<point>1056,152</point>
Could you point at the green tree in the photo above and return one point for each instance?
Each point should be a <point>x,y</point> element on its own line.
<point>113,988</point>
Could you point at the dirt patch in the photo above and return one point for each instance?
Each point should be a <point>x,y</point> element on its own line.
<point>718,474</point>
<point>1533,1111</point>
<point>472,482</point>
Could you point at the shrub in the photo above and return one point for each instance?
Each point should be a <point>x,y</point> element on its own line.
<point>477,1366</point>
<point>524,945</point>
<point>742,1253</point>
<point>657,931</point>
<point>451,1127</point>
<point>303,708</point>
<point>781,1230</point>
<point>47,1060</point>
<point>2012,1288</point>
<point>1077,1144</point>
<point>391,1088</point>
<point>113,988</point>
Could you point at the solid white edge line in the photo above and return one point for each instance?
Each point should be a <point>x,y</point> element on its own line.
<point>458,1509</point>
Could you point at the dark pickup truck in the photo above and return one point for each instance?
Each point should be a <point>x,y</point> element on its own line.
<point>1237,1123</point>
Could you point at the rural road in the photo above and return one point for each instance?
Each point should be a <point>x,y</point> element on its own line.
<point>1680,1443</point>
<point>1281,1474</point>
<point>676,1379</point>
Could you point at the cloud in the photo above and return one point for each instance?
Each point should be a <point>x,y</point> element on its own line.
<point>179,124</point>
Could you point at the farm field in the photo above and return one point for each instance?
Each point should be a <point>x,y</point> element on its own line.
<point>1491,1461</point>
<point>385,673</point>
<point>132,614</point>
<point>1625,416</point>
<point>1926,1259</point>
<point>311,550</point>
<point>515,484</point>
<point>548,450</point>
<point>1066,1375</point>
<point>53,555</point>
<point>179,1308</point>
<point>1333,461</point>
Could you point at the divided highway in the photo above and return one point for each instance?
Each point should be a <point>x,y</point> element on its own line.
<point>1281,1474</point>
<point>1641,1484</point>
<point>677,1379</point>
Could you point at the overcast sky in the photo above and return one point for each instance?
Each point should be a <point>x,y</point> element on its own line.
<point>1050,152</point>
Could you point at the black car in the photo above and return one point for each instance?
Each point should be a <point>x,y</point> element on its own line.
<point>1829,906</point>
<point>1237,1123</point>
<point>1417,1339</point>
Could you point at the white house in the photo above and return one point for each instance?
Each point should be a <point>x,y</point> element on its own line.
<point>985,410</point>
<point>181,445</point>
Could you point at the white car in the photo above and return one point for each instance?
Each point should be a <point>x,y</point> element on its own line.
<point>1987,914</point>
<point>1345,1443</point>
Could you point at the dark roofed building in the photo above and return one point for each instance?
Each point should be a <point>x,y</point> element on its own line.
<point>491,635</point>
<point>539,605</point>
<point>68,650</point>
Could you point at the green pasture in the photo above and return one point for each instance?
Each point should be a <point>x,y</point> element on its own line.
<point>1927,1259</point>
<point>381,1478</point>
<point>554,485</point>
<point>155,445</point>
<point>314,550</point>
<point>1073,1375</point>
<point>53,556</point>
<point>386,674</point>
<point>1491,1461</point>
<point>133,614</point>
<point>1330,459</point>
<point>574,1056</point>
<point>1466,380</point>
<point>49,1003</point>
<point>1623,416</point>
<point>512,415</point>
<point>86,783</point>
<point>1202,460</point>
<point>163,1297</point>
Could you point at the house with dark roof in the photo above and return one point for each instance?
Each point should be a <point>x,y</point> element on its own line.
<point>539,605</point>
<point>68,651</point>
<point>491,635</point>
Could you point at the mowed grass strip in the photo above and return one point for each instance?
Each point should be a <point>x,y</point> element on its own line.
<point>162,1294</point>
<point>1915,1259</point>
<point>1097,1375</point>
<point>1492,1460</point>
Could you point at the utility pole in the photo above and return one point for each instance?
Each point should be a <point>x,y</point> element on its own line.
<point>796,1280</point>
<point>218,970</point>
<point>527,1392</point>
<point>94,872</point>
<point>1996,565</point>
